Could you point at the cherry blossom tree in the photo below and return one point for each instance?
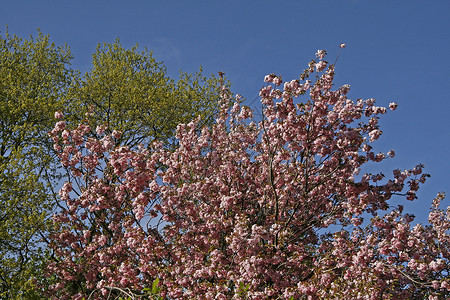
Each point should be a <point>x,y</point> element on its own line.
<point>278,209</point>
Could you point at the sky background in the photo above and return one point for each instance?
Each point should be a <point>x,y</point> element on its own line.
<point>396,51</point>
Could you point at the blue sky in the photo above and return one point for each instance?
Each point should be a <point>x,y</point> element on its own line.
<point>396,51</point>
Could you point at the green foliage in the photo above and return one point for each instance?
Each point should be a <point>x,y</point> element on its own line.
<point>128,90</point>
<point>243,289</point>
<point>23,215</point>
<point>154,292</point>
<point>33,78</point>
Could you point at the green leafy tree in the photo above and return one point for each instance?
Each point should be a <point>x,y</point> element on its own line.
<point>128,90</point>
<point>34,77</point>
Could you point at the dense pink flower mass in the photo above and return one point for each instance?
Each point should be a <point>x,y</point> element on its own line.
<point>275,209</point>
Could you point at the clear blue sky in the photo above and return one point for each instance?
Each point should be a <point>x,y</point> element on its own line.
<point>396,51</point>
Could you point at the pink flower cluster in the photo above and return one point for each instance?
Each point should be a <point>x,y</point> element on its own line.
<point>242,209</point>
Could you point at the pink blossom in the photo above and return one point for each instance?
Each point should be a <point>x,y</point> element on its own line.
<point>321,65</point>
<point>246,209</point>
<point>345,89</point>
<point>277,80</point>
<point>269,78</point>
<point>320,54</point>
<point>60,125</point>
<point>58,115</point>
<point>393,105</point>
<point>116,134</point>
<point>100,129</point>
<point>65,134</point>
<point>374,134</point>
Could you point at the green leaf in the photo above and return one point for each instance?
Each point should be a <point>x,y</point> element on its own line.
<point>155,288</point>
